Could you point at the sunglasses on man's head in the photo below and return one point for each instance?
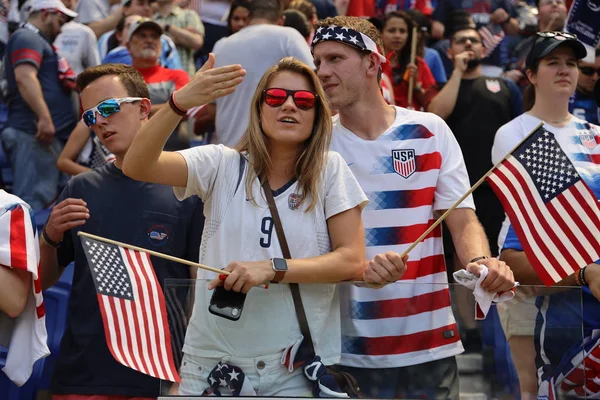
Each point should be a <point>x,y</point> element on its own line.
<point>106,109</point>
<point>551,34</point>
<point>304,99</point>
<point>589,71</point>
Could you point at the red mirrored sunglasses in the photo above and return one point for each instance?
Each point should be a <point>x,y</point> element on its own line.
<point>304,99</point>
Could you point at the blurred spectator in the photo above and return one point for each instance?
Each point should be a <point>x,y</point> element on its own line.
<point>385,6</point>
<point>169,57</point>
<point>552,16</point>
<point>109,41</point>
<point>82,152</point>
<point>256,47</point>
<point>309,11</point>
<point>144,46</point>
<point>494,19</point>
<point>325,8</point>
<point>97,14</point>
<point>295,19</point>
<point>213,14</point>
<point>583,104</point>
<point>107,203</point>
<point>239,15</point>
<point>77,43</point>
<point>456,20</point>
<point>475,106</point>
<point>41,113</point>
<point>397,39</point>
<point>431,57</point>
<point>185,28</point>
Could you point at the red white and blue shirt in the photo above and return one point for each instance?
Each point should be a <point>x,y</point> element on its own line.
<point>412,170</point>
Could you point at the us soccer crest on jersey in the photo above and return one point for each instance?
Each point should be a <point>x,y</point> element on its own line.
<point>492,85</point>
<point>404,161</point>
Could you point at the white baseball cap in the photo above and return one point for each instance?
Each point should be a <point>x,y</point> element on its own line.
<point>144,23</point>
<point>39,5</point>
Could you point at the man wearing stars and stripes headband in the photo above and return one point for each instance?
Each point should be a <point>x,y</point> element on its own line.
<point>350,37</point>
<point>399,341</point>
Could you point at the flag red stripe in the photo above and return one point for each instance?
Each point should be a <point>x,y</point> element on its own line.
<point>581,200</point>
<point>140,319</point>
<point>18,239</point>
<point>530,222</point>
<point>107,333</point>
<point>567,227</point>
<point>142,350</point>
<point>127,344</point>
<point>584,226</point>
<point>541,220</point>
<point>162,311</point>
<point>40,310</point>
<point>424,267</point>
<point>516,222</point>
<point>151,334</point>
<point>418,341</point>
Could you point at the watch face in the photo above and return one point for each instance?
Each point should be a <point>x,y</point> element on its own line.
<point>279,264</point>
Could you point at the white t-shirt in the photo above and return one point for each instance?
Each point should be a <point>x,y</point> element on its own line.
<point>257,48</point>
<point>92,10</point>
<point>235,229</point>
<point>77,43</point>
<point>569,137</point>
<point>413,169</point>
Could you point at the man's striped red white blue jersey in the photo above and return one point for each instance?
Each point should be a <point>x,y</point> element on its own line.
<point>412,170</point>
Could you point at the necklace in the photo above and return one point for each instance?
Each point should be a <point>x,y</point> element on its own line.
<point>553,122</point>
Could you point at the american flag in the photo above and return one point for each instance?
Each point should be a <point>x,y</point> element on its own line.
<point>554,213</point>
<point>19,249</point>
<point>133,309</point>
<point>578,375</point>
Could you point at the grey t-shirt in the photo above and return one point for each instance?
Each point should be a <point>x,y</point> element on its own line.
<point>92,10</point>
<point>256,48</point>
<point>77,43</point>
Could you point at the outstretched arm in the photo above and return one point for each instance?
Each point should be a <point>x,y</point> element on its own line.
<point>145,159</point>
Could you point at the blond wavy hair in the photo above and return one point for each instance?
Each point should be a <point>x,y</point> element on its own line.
<point>311,162</point>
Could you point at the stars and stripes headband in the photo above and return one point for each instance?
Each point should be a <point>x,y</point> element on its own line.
<point>348,36</point>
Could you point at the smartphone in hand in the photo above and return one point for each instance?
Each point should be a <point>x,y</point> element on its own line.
<point>227,303</point>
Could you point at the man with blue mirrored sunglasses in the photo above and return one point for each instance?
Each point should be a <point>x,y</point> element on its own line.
<point>107,203</point>
<point>106,108</point>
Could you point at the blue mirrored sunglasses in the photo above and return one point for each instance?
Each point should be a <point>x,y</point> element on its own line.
<point>106,109</point>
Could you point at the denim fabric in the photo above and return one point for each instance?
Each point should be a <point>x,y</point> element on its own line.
<point>35,176</point>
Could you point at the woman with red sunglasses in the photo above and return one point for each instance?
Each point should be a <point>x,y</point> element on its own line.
<point>319,202</point>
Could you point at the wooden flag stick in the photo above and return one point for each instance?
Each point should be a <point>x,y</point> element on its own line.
<point>413,57</point>
<point>464,196</point>
<point>154,253</point>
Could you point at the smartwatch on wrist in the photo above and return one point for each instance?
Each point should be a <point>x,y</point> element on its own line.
<point>280,268</point>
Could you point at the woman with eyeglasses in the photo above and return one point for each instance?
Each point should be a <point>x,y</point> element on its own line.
<point>319,201</point>
<point>552,70</point>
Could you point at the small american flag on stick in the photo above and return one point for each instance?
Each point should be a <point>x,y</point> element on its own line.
<point>554,213</point>
<point>133,308</point>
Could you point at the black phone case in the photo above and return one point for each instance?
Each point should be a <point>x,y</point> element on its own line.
<point>227,303</point>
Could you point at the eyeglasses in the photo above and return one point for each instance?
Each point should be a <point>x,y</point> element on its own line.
<point>589,71</point>
<point>303,99</point>
<point>463,40</point>
<point>106,109</point>
<point>551,34</point>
